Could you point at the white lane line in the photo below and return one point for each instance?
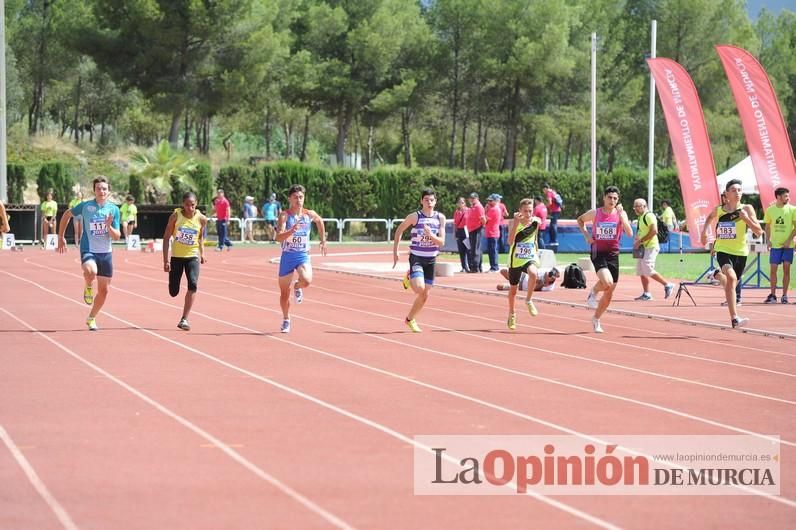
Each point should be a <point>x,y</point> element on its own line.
<point>779,499</point>
<point>37,483</point>
<point>512,344</point>
<point>360,419</point>
<point>234,455</point>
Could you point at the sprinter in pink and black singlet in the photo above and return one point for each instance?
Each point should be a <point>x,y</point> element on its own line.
<point>428,236</point>
<point>608,223</point>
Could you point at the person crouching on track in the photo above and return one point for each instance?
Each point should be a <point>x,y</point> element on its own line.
<point>428,236</point>
<point>187,226</point>
<point>523,257</point>
<point>293,232</point>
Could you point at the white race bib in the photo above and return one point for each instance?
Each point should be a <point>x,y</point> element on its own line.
<point>186,236</point>
<point>726,230</point>
<point>605,231</point>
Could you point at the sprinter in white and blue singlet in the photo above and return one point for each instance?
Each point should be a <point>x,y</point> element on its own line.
<point>428,236</point>
<point>100,220</point>
<point>293,232</point>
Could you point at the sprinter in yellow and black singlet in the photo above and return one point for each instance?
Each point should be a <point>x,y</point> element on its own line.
<point>730,222</point>
<point>187,228</point>
<point>523,257</point>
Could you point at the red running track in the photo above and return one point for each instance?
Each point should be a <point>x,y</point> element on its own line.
<point>234,425</point>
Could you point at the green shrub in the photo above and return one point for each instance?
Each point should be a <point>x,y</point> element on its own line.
<point>17,182</point>
<point>137,188</point>
<point>203,178</point>
<point>55,176</point>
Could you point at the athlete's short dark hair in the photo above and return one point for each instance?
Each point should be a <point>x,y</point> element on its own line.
<point>295,188</point>
<point>732,183</point>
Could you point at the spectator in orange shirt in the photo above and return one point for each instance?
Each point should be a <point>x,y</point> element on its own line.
<point>492,231</point>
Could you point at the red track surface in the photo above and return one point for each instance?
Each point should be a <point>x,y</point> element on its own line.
<point>234,425</point>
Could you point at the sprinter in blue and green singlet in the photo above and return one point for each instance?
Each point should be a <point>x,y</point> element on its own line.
<point>730,222</point>
<point>523,256</point>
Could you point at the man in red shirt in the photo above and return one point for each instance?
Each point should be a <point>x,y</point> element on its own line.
<point>540,211</point>
<point>492,231</point>
<point>221,207</point>
<point>552,201</point>
<point>476,219</point>
<point>503,242</point>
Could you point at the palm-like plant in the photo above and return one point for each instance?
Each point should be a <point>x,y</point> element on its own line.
<point>163,169</point>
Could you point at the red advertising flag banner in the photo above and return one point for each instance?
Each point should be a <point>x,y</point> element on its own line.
<point>690,143</point>
<point>763,125</point>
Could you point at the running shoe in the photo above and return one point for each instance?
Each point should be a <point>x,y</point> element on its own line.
<point>184,325</point>
<point>591,300</point>
<point>739,322</point>
<point>645,297</point>
<point>532,308</point>
<point>285,326</point>
<point>299,292</point>
<point>512,322</point>
<point>595,322</point>
<point>737,303</point>
<point>667,290</point>
<point>771,299</point>
<point>405,282</point>
<point>91,322</point>
<point>712,275</point>
<point>88,295</point>
<point>784,299</point>
<point>412,324</point>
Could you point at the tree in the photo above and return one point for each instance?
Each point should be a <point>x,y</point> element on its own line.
<point>163,169</point>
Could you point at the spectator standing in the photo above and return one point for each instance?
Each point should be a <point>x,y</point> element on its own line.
<point>77,224</point>
<point>4,226</point>
<point>540,212</point>
<point>553,202</point>
<point>271,210</point>
<point>667,215</point>
<point>503,242</point>
<point>460,228</point>
<point>492,231</point>
<point>476,219</point>
<point>221,206</point>
<point>49,209</point>
<point>647,239</point>
<point>780,222</point>
<point>249,212</point>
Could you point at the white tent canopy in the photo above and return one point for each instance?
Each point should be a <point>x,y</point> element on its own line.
<point>742,171</point>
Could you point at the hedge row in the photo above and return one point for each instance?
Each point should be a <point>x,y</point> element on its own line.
<point>392,193</point>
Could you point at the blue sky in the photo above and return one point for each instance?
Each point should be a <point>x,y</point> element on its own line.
<point>753,7</point>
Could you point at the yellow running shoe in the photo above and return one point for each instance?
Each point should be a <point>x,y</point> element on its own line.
<point>88,295</point>
<point>412,324</point>
<point>512,323</point>
<point>405,282</point>
<point>91,322</point>
<point>532,308</point>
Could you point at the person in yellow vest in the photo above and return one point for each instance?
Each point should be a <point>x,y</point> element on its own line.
<point>523,257</point>
<point>780,220</point>
<point>49,209</point>
<point>129,216</point>
<point>730,221</point>
<point>647,240</point>
<point>187,227</point>
<point>77,224</point>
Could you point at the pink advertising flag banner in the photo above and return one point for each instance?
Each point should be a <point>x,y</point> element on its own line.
<point>690,143</point>
<point>763,125</point>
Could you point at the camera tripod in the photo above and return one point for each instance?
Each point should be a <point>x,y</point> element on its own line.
<point>683,287</point>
